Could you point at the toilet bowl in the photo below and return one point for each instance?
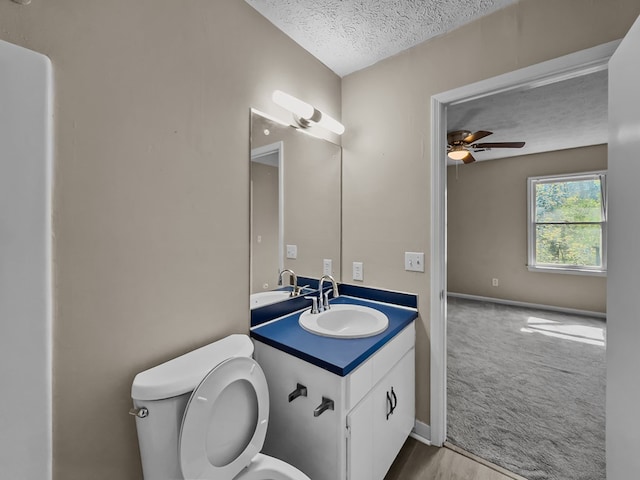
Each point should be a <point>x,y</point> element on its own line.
<point>204,416</point>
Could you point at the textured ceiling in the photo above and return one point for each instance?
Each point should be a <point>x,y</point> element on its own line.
<point>567,114</point>
<point>348,35</point>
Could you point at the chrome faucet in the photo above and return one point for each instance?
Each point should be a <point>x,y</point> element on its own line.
<point>293,276</point>
<point>323,298</point>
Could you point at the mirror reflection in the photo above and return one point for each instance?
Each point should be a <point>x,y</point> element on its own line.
<point>295,207</point>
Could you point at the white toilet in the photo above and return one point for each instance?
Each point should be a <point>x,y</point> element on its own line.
<point>204,416</point>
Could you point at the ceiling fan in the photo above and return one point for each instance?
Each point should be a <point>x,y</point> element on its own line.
<point>460,143</point>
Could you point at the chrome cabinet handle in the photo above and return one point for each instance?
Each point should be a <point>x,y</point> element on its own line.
<point>395,400</point>
<point>392,403</point>
<point>300,391</point>
<point>327,404</point>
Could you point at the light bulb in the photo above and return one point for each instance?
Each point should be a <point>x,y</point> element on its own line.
<point>331,124</point>
<point>293,104</point>
<point>457,154</point>
<point>305,114</point>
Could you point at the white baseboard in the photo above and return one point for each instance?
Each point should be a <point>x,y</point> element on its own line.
<point>586,313</point>
<point>421,432</point>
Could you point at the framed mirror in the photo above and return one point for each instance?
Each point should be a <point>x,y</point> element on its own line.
<point>295,205</point>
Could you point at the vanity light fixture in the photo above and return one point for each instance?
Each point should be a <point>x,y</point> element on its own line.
<point>305,114</point>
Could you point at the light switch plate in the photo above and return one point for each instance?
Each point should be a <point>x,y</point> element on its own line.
<point>357,271</point>
<point>414,261</point>
<point>292,251</point>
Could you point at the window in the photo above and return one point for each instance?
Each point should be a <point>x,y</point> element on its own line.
<point>568,223</point>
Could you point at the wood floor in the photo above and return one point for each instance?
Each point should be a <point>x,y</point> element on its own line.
<point>417,461</point>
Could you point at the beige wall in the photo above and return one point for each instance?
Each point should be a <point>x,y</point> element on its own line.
<point>151,197</point>
<point>151,204</point>
<point>487,231</point>
<point>386,108</point>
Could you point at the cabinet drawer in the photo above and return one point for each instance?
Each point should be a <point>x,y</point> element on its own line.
<point>367,375</point>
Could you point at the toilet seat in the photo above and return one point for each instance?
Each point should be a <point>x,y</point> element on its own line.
<point>225,421</point>
<point>264,467</point>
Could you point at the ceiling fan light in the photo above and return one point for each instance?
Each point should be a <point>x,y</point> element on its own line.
<point>457,154</point>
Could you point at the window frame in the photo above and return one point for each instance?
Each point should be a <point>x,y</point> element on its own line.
<point>532,264</point>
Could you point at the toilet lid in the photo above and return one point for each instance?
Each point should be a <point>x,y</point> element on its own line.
<point>225,422</point>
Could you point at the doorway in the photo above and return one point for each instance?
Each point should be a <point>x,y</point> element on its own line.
<point>569,66</point>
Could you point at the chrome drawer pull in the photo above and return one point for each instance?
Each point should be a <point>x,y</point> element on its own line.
<point>327,404</point>
<point>300,391</point>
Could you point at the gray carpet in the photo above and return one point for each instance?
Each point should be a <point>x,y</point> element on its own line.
<point>527,401</point>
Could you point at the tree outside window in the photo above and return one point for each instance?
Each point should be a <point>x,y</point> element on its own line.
<point>567,223</point>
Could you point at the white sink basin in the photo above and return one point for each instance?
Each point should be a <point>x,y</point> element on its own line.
<point>345,321</point>
<point>261,299</point>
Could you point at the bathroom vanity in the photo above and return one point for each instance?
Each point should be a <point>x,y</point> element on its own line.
<point>341,409</point>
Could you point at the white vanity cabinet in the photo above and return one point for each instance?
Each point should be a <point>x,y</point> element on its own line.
<point>373,411</point>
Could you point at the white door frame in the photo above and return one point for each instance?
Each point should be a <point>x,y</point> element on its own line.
<point>26,262</point>
<point>558,69</point>
<point>256,154</point>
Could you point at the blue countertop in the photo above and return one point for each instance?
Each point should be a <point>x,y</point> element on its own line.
<point>337,355</point>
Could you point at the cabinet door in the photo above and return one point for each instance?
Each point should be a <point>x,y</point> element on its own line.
<point>379,425</point>
<point>360,440</point>
<point>394,414</point>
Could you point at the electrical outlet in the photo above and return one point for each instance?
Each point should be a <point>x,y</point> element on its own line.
<point>357,271</point>
<point>326,267</point>
<point>414,261</point>
<point>495,282</point>
<point>292,251</point>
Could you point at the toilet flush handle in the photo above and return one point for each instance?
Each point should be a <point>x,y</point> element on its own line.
<point>141,412</point>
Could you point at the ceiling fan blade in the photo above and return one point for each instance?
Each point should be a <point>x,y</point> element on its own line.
<point>476,136</point>
<point>468,158</point>
<point>498,145</point>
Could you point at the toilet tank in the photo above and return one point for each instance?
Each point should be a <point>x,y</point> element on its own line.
<point>164,391</point>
